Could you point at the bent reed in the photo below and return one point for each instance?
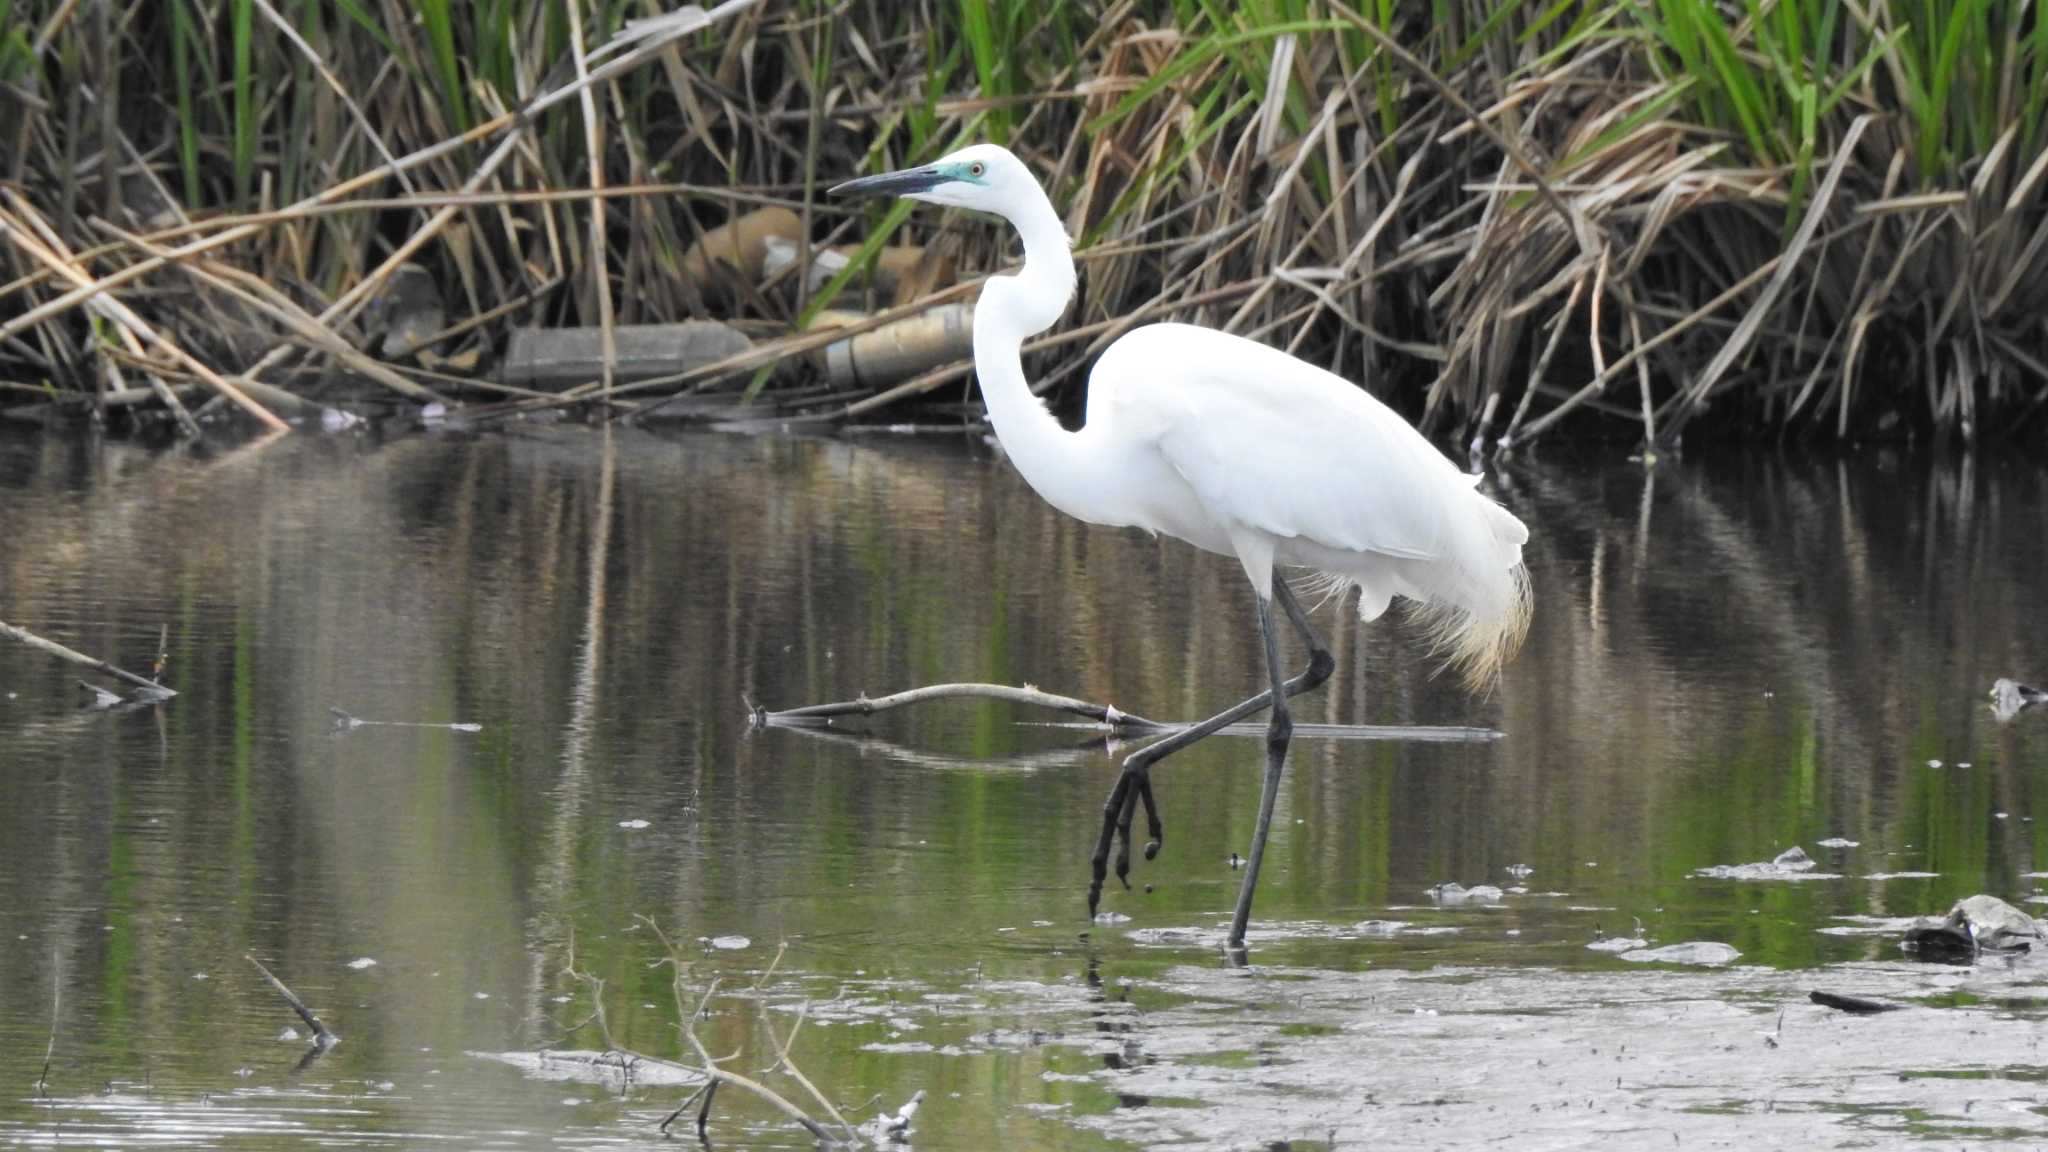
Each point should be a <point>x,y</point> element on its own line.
<point>1635,217</point>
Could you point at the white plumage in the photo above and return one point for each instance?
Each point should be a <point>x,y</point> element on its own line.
<point>1276,461</point>
<point>1239,449</point>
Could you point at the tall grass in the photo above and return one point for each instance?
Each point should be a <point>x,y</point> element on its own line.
<point>1678,215</point>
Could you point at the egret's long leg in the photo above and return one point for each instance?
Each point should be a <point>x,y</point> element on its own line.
<point>1278,729</point>
<point>1134,784</point>
<point>1140,762</point>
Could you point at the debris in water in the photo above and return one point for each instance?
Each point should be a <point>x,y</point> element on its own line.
<point>1837,842</point>
<point>1451,895</point>
<point>1934,763</point>
<point>604,1068</point>
<point>323,1037</point>
<point>1618,944</point>
<point>343,722</point>
<point>1855,1005</point>
<point>1975,925</point>
<point>337,420</point>
<point>1791,864</point>
<point>730,943</point>
<point>1111,918</point>
<point>1693,952</point>
<point>635,825</point>
<point>362,962</point>
<point>2010,697</point>
<point>1520,871</point>
<point>896,1126</point>
<point>289,1035</point>
<point>98,699</point>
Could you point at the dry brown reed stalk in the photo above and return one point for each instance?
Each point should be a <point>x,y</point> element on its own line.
<point>128,321</point>
<point>600,260</point>
<point>1446,209</point>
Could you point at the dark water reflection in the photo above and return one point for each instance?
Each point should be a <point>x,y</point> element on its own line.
<point>1731,656</point>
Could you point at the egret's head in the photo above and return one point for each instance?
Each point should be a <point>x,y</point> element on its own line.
<point>984,177</point>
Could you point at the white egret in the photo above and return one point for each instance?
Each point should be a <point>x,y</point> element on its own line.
<point>1239,449</point>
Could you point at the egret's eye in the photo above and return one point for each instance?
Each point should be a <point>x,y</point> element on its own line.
<point>976,168</point>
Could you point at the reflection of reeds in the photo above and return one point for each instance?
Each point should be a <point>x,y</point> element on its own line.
<point>1874,596</point>
<point>1506,214</point>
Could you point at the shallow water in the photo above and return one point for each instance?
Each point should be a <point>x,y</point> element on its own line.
<point>1732,655</point>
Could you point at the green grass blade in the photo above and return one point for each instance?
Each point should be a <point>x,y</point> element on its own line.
<point>439,21</point>
<point>181,79</point>
<point>242,23</point>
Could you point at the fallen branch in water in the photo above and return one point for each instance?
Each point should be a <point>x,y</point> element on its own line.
<point>1105,716</point>
<point>721,1076</point>
<point>323,1038</point>
<point>785,1064</point>
<point>146,689</point>
<point>821,714</point>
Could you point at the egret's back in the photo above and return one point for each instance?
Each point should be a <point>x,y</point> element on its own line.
<point>1290,464</point>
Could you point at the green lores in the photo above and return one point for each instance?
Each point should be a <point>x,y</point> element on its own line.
<point>962,171</point>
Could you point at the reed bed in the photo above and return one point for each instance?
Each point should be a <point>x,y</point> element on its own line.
<point>1645,217</point>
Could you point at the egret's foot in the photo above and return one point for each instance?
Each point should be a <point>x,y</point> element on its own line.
<point>1112,811</point>
<point>1154,830</point>
<point>1139,785</point>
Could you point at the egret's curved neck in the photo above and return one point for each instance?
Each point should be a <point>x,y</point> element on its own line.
<point>1012,309</point>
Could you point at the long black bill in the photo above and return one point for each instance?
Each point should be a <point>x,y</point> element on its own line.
<point>891,183</point>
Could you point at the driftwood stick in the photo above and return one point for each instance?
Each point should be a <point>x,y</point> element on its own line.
<point>812,715</point>
<point>322,1036</point>
<point>783,1061</point>
<point>815,716</point>
<point>720,1075</point>
<point>156,691</point>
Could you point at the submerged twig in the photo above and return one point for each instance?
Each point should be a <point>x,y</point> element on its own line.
<point>323,1037</point>
<point>1105,716</point>
<point>346,722</point>
<point>704,1091</point>
<point>818,714</point>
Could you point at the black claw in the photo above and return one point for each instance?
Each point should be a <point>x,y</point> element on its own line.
<point>1112,809</point>
<point>1155,832</point>
<point>1123,827</point>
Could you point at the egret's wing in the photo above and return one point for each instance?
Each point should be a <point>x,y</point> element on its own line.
<point>1271,443</point>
